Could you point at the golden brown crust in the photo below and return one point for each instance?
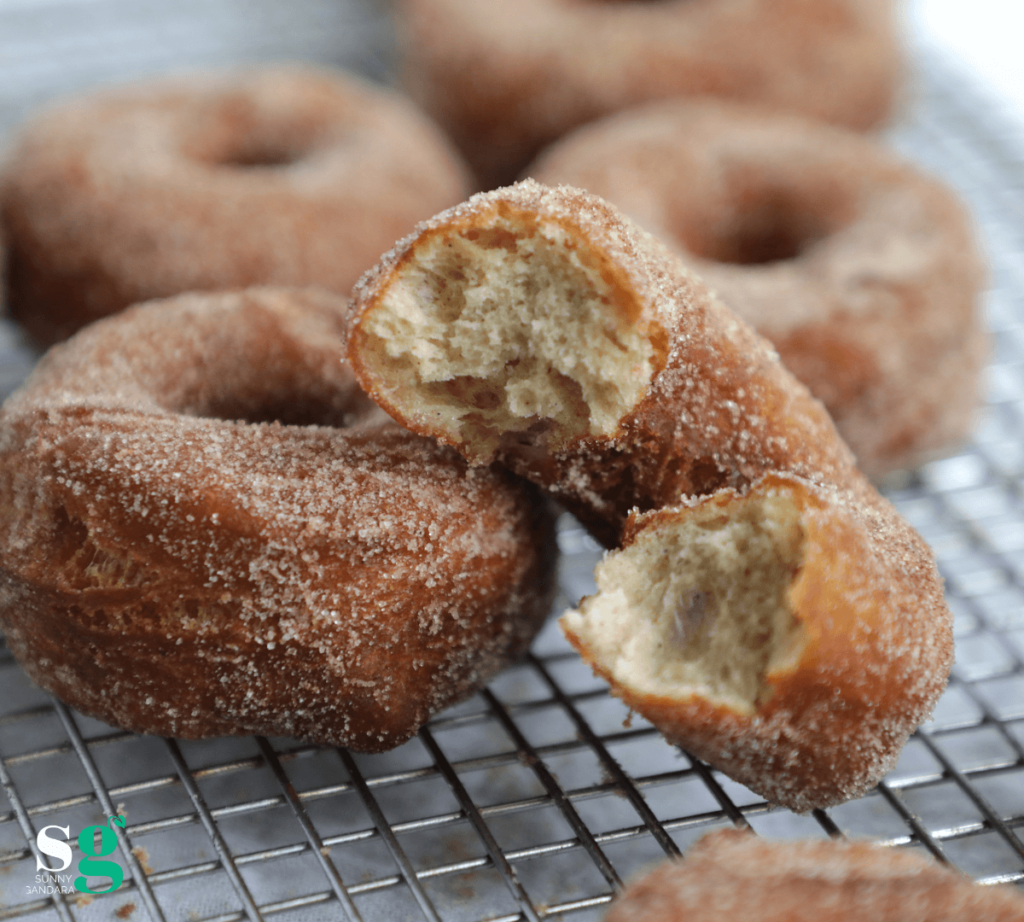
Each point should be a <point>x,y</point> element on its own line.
<point>731,875</point>
<point>283,176</point>
<point>718,417</point>
<point>506,79</point>
<point>862,271</point>
<point>175,562</point>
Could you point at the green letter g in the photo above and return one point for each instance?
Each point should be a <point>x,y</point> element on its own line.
<point>111,869</point>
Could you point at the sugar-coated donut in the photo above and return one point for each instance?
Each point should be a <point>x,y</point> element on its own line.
<point>861,270</point>
<point>282,176</point>
<point>542,328</point>
<point>207,529</point>
<point>733,876</point>
<point>506,79</point>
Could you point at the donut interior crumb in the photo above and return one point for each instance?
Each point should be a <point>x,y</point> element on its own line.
<point>480,333</point>
<point>698,604</point>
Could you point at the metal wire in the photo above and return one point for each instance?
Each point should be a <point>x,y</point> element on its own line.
<point>538,797</point>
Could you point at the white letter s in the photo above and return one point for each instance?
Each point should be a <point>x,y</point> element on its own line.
<point>54,847</point>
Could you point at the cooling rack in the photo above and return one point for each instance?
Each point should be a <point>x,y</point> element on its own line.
<point>535,799</point>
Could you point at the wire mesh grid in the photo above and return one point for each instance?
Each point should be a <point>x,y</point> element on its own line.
<point>540,795</point>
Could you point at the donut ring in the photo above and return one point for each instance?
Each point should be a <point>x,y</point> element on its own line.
<point>283,176</point>
<point>770,611</point>
<point>862,271</point>
<point>175,561</point>
<point>730,876</point>
<point>507,79</point>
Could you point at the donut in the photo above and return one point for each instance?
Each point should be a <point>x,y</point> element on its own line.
<point>730,876</point>
<point>507,79</point>
<point>209,530</point>
<point>281,176</point>
<point>767,609</point>
<point>862,271</point>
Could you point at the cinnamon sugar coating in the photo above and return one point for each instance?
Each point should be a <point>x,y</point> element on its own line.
<point>862,271</point>
<point>541,328</point>
<point>506,79</point>
<point>281,176</point>
<point>208,529</point>
<point>730,876</point>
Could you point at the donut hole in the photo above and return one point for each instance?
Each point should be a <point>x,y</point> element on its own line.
<point>262,156</point>
<point>294,409</point>
<point>275,368</point>
<point>237,136</point>
<point>265,145</point>
<point>598,4</point>
<point>698,604</point>
<point>277,399</point>
<point>480,334</point>
<point>769,226</point>
<point>772,238</point>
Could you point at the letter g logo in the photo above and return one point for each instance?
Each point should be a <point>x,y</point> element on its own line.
<point>89,865</point>
<point>53,847</point>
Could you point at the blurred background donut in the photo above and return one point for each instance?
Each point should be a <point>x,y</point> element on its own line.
<point>282,175</point>
<point>861,269</point>
<point>507,78</point>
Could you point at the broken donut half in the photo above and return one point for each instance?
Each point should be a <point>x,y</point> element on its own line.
<point>761,632</point>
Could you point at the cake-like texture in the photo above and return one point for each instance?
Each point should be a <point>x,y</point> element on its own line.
<point>862,271</point>
<point>541,328</point>
<point>731,876</point>
<point>280,176</point>
<point>208,529</point>
<point>506,79</point>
